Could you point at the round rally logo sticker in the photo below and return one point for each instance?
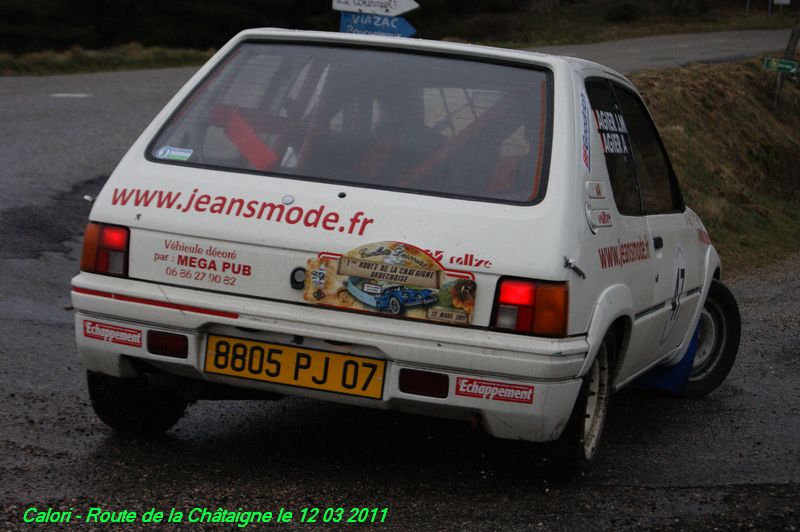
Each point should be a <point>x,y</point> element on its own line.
<point>174,154</point>
<point>164,152</point>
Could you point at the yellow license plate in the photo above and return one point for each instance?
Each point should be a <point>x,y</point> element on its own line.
<point>295,366</point>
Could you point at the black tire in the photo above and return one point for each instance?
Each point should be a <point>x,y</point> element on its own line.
<point>395,306</point>
<point>127,406</point>
<point>717,343</point>
<point>580,440</point>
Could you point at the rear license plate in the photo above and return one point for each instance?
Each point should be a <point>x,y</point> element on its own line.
<point>295,366</point>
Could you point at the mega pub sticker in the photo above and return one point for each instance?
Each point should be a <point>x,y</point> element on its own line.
<point>391,278</point>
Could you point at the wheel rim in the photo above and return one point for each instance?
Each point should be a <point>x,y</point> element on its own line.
<point>394,306</point>
<point>711,339</point>
<point>596,403</point>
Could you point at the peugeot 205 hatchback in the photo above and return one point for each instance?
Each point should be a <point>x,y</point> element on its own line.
<point>446,229</point>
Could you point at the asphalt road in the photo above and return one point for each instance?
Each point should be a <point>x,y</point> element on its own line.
<point>669,51</point>
<point>731,460</point>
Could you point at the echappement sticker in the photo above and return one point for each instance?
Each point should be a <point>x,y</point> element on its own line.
<point>494,390</point>
<point>112,333</point>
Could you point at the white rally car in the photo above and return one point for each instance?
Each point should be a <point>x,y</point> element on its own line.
<point>458,231</point>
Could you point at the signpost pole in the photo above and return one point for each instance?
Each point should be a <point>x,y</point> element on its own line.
<point>789,54</point>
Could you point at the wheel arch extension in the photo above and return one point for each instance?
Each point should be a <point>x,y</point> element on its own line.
<point>622,332</point>
<point>612,312</point>
<point>711,264</point>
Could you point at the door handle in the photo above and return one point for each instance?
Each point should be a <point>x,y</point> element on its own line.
<point>658,242</point>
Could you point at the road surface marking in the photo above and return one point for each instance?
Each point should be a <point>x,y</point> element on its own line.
<point>70,95</point>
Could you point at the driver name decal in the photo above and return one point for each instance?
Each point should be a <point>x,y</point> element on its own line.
<point>613,132</point>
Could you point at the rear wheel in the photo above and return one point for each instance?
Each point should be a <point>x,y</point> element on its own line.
<point>127,406</point>
<point>581,438</point>
<point>717,341</point>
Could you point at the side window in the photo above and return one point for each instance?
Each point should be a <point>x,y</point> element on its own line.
<point>616,146</point>
<point>660,192</point>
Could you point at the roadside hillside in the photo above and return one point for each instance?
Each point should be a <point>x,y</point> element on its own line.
<point>38,25</point>
<point>737,159</point>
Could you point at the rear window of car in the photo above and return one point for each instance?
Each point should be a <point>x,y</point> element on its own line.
<point>369,117</point>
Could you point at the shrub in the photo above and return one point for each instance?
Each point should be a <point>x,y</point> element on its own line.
<point>625,12</point>
<point>687,8</point>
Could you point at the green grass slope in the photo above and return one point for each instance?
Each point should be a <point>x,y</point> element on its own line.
<point>76,59</point>
<point>738,161</point>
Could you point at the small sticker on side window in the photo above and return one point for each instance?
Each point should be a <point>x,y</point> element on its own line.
<point>171,153</point>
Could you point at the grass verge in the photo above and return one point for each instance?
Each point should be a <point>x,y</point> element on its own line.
<point>76,59</point>
<point>738,161</point>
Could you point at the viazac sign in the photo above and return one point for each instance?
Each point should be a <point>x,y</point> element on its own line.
<point>368,24</point>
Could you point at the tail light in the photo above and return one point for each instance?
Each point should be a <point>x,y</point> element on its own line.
<point>105,249</point>
<point>530,307</point>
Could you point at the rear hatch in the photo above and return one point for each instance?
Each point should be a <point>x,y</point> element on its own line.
<point>381,181</point>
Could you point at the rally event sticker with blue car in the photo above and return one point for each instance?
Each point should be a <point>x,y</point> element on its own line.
<point>393,278</point>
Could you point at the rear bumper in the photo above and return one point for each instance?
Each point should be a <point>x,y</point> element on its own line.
<point>549,366</point>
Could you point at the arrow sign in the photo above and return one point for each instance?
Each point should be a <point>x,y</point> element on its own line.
<point>367,24</point>
<point>390,8</point>
<point>780,65</point>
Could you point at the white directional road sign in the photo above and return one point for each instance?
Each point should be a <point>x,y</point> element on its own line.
<point>390,8</point>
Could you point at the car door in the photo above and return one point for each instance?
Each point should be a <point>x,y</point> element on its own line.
<point>673,242</point>
<point>626,256</point>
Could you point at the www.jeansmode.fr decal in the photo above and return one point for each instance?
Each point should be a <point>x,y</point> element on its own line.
<point>393,278</point>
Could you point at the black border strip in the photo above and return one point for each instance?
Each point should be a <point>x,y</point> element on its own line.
<point>694,291</point>
<point>649,310</point>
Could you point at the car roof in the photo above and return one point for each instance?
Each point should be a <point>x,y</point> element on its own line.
<point>404,43</point>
